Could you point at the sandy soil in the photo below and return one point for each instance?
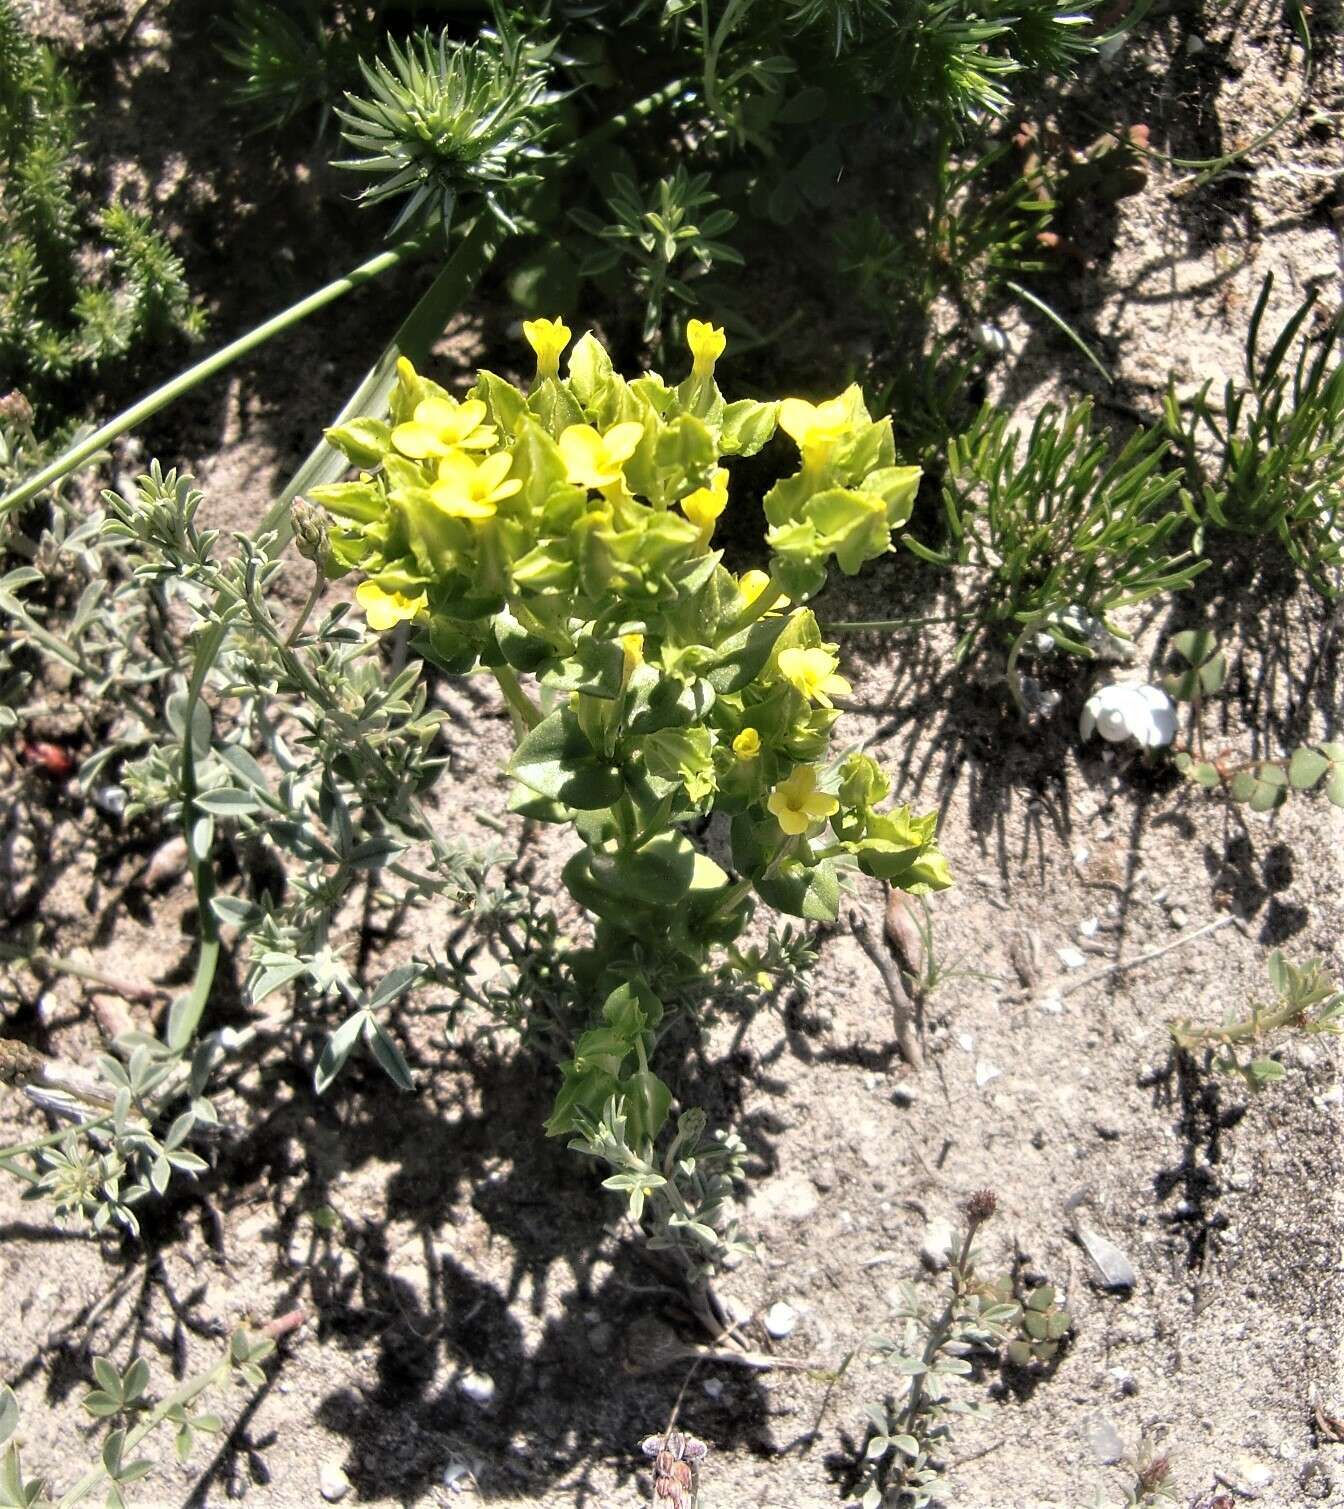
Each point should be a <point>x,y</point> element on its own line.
<point>437,1236</point>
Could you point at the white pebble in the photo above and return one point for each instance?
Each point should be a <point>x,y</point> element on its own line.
<point>984,1072</point>
<point>1088,926</point>
<point>332,1482</point>
<point>1071,958</point>
<point>938,1238</point>
<point>780,1319</point>
<point>1053,1003</point>
<point>967,1041</point>
<point>478,1387</point>
<point>713,1388</point>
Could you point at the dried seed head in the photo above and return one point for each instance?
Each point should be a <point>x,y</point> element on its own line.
<point>982,1204</point>
<point>1154,1475</point>
<point>15,408</point>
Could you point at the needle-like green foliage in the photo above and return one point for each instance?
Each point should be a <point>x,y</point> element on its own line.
<point>441,120</point>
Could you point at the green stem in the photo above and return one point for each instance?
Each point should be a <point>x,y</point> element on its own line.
<point>1255,1026</point>
<point>853,626</point>
<point>203,370</point>
<point>521,704</point>
<point>310,602</point>
<point>21,1149</point>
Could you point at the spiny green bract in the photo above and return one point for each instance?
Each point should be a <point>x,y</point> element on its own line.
<point>56,324</point>
<point>566,533</point>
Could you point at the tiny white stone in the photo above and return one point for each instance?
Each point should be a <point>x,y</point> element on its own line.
<point>938,1238</point>
<point>780,1319</point>
<point>1081,854</point>
<point>1053,1003</point>
<point>1071,958</point>
<point>478,1387</point>
<point>967,1041</point>
<point>984,1072</point>
<point>713,1388</point>
<point>1088,926</point>
<point>332,1482</point>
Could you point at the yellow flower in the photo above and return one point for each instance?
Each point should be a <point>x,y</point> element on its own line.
<point>383,609</point>
<point>705,504</point>
<point>747,745</point>
<point>471,491</point>
<point>751,584</point>
<point>815,427</point>
<point>441,425</point>
<point>633,647</point>
<point>813,673</point>
<point>707,343</point>
<point>593,460</point>
<point>797,804</point>
<point>548,338</point>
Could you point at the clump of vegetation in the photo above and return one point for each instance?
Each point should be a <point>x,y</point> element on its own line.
<point>1306,1000</point>
<point>1269,462</point>
<point>903,1453</point>
<point>1060,529</point>
<point>123,1403</point>
<point>61,324</point>
<point>1262,784</point>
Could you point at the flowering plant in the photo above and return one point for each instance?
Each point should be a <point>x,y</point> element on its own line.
<point>564,537</point>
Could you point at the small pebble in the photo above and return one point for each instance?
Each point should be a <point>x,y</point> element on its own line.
<point>1088,927</point>
<point>332,1482</point>
<point>1071,958</point>
<point>967,1041</point>
<point>713,1388</point>
<point>1053,1003</point>
<point>1179,917</point>
<point>1112,1265</point>
<point>984,1072</point>
<point>938,1238</point>
<point>478,1387</point>
<point>1082,854</point>
<point>780,1320</point>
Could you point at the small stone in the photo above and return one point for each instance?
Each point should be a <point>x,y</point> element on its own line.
<point>1111,1264</point>
<point>1195,44</point>
<point>1088,926</point>
<point>332,1482</point>
<point>478,1387</point>
<point>791,1197</point>
<point>905,1095</point>
<point>1179,917</point>
<point>1071,958</point>
<point>966,1040</point>
<point>780,1320</point>
<point>713,1388</point>
<point>985,1072</point>
<point>1082,854</point>
<point>824,1177</point>
<point>939,1238</point>
<point>1103,1440</point>
<point>1254,1473</point>
<point>1052,1003</point>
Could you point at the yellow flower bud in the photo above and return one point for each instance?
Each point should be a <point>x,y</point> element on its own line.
<point>747,745</point>
<point>707,343</point>
<point>705,504</point>
<point>548,338</point>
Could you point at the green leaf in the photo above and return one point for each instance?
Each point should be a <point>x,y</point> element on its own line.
<point>1334,786</point>
<point>659,873</point>
<point>338,1047</point>
<point>388,1055</point>
<point>9,1413</point>
<point>813,894</point>
<point>556,760</point>
<point>1306,767</point>
<point>647,1102</point>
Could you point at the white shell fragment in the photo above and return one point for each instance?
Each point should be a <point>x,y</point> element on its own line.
<point>1130,710</point>
<point>478,1387</point>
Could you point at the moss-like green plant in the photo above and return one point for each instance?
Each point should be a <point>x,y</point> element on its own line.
<point>58,325</point>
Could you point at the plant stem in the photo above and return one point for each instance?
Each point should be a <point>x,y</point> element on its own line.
<point>39,960</point>
<point>519,702</point>
<point>310,602</point>
<point>203,370</point>
<point>940,1331</point>
<point>847,626</point>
